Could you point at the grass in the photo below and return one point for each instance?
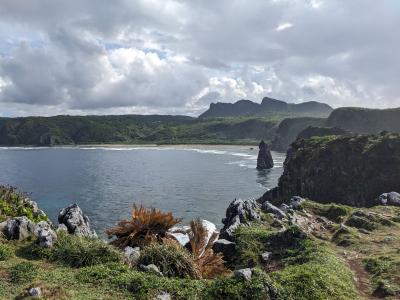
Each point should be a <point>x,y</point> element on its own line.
<point>334,212</point>
<point>6,252</point>
<point>23,272</point>
<point>172,260</point>
<point>77,251</point>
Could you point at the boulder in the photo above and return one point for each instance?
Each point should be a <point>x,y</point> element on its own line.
<point>391,198</point>
<point>151,269</point>
<point>211,231</point>
<point>269,207</point>
<point>19,228</point>
<point>243,274</point>
<point>296,202</point>
<point>264,159</point>
<point>35,292</point>
<point>131,255</point>
<point>238,212</point>
<point>227,248</point>
<point>180,233</point>
<point>266,257</point>
<point>75,221</point>
<point>163,296</point>
<point>45,234</point>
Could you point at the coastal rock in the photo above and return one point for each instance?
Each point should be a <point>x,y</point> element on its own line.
<point>75,221</point>
<point>227,248</point>
<point>264,159</point>
<point>346,169</point>
<point>243,274</point>
<point>45,234</point>
<point>296,202</point>
<point>19,228</point>
<point>391,198</point>
<point>211,229</point>
<point>269,207</point>
<point>239,211</point>
<point>27,202</point>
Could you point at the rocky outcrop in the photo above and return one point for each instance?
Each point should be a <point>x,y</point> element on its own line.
<point>75,221</point>
<point>392,198</point>
<point>239,212</point>
<point>21,228</point>
<point>352,169</point>
<point>264,159</point>
<point>227,248</point>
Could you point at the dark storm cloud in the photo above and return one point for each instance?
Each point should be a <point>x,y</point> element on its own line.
<point>178,56</point>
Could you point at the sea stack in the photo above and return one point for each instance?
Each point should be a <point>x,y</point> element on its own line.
<point>264,159</point>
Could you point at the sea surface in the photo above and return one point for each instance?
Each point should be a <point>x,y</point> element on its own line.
<point>190,181</point>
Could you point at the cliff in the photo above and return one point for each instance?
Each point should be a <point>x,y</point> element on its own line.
<point>268,107</point>
<point>363,120</point>
<point>288,130</point>
<point>350,169</point>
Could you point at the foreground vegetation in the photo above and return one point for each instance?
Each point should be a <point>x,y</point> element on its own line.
<point>329,252</point>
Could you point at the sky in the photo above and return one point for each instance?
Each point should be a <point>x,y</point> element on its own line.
<point>176,56</point>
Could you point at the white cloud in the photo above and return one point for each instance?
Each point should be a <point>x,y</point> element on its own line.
<point>283,26</point>
<point>178,56</point>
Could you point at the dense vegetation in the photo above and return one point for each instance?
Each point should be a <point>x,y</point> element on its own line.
<point>131,129</point>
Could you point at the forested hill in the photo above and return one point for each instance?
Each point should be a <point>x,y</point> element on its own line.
<point>131,129</point>
<point>268,108</point>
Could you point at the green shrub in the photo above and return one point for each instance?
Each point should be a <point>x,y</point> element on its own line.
<point>23,272</point>
<point>5,252</point>
<point>172,260</point>
<point>377,265</point>
<point>77,251</point>
<point>34,251</point>
<point>345,237</point>
<point>333,212</point>
<point>12,205</point>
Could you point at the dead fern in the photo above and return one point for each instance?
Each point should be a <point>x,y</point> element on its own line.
<point>146,226</point>
<point>209,263</point>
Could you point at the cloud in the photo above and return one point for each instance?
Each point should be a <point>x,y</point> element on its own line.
<point>177,56</point>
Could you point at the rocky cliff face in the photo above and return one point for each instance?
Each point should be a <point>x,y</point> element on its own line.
<point>288,130</point>
<point>264,159</point>
<point>351,169</point>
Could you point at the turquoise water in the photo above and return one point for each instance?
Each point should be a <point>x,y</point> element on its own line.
<point>190,181</point>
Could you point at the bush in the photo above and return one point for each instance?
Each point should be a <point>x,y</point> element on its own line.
<point>34,251</point>
<point>5,252</point>
<point>146,226</point>
<point>77,251</point>
<point>377,266</point>
<point>12,204</point>
<point>171,259</point>
<point>23,272</point>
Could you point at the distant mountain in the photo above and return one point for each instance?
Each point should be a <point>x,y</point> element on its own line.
<point>268,107</point>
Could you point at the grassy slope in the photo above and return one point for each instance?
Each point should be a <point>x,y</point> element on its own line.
<point>326,263</point>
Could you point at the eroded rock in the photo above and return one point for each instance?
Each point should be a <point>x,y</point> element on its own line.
<point>238,212</point>
<point>264,159</point>
<point>392,198</point>
<point>75,221</point>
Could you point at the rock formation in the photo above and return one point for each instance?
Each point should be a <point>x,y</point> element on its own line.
<point>351,169</point>
<point>264,159</point>
<point>75,221</point>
